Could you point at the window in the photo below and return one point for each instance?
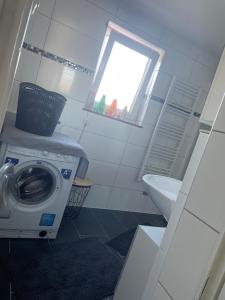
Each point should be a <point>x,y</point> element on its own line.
<point>125,76</point>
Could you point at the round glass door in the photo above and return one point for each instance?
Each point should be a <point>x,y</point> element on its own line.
<point>33,184</point>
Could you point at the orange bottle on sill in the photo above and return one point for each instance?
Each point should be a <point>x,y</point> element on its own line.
<point>112,109</point>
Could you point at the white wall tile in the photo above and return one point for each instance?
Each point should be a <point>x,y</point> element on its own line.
<point>133,27</point>
<point>150,207</point>
<point>71,44</point>
<point>37,30</point>
<point>112,128</point>
<point>108,5</point>
<point>82,15</point>
<point>172,62</point>
<point>118,199</point>
<point>141,136</point>
<point>72,132</point>
<point>12,107</point>
<point>201,75</point>
<point>77,30</point>
<point>152,114</point>
<point>162,85</point>
<point>133,156</point>
<point>102,148</point>
<point>133,18</point>
<point>28,66</point>
<point>73,114</point>
<point>127,178</point>
<point>57,77</point>
<point>187,258</point>
<point>46,7</point>
<point>102,173</point>
<point>137,201</point>
<point>98,197</point>
<point>179,43</point>
<point>208,59</point>
<point>129,200</point>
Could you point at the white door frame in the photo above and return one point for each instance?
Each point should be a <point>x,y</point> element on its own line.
<point>14,17</point>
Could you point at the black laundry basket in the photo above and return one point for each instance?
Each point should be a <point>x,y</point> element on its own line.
<point>38,110</point>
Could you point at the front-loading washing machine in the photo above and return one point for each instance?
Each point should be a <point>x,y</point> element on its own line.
<point>34,189</point>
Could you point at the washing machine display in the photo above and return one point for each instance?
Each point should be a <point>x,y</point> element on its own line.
<point>12,160</point>
<point>66,173</point>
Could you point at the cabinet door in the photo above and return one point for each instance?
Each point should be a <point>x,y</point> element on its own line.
<point>206,198</point>
<point>215,94</point>
<point>138,265</point>
<point>186,264</point>
<point>160,293</point>
<point>194,162</point>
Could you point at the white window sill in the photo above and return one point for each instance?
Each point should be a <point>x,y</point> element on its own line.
<point>113,118</point>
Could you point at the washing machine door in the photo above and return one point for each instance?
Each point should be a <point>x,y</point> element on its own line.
<point>6,178</point>
<point>34,183</point>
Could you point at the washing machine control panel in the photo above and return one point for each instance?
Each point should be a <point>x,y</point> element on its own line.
<point>40,154</point>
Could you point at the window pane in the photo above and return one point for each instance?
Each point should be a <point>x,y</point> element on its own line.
<point>123,74</point>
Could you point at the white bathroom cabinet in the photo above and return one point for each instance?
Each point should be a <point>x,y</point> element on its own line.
<point>176,214</point>
<point>194,161</point>
<point>139,262</point>
<point>187,259</point>
<point>215,95</point>
<point>206,197</point>
<point>160,293</point>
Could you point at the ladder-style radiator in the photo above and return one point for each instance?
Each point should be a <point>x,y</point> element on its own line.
<point>170,129</point>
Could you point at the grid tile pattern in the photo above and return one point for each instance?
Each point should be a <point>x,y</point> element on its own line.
<point>74,30</point>
<point>99,223</point>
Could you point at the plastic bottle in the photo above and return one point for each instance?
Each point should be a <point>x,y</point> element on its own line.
<point>99,107</point>
<point>112,109</point>
<point>101,104</point>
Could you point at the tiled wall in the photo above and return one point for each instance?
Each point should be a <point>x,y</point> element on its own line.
<point>74,30</point>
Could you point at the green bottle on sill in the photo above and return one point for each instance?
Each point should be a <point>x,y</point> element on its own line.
<point>99,107</point>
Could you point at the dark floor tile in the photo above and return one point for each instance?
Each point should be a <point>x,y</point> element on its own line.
<point>128,219</point>
<point>4,284</point>
<point>87,224</point>
<point>4,278</point>
<point>109,222</point>
<point>67,232</point>
<point>151,220</point>
<point>23,246</point>
<point>103,239</point>
<point>4,248</point>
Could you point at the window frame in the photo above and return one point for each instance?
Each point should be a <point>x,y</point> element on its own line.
<point>116,33</point>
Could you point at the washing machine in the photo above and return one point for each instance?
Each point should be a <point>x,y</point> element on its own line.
<point>34,189</point>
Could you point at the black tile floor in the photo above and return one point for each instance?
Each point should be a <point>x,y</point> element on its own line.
<point>102,224</point>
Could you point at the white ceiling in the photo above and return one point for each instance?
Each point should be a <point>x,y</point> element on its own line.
<point>202,21</point>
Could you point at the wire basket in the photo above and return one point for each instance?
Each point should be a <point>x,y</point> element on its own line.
<point>38,110</point>
<point>78,194</point>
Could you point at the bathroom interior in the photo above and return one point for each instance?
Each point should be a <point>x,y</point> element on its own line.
<point>155,205</point>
